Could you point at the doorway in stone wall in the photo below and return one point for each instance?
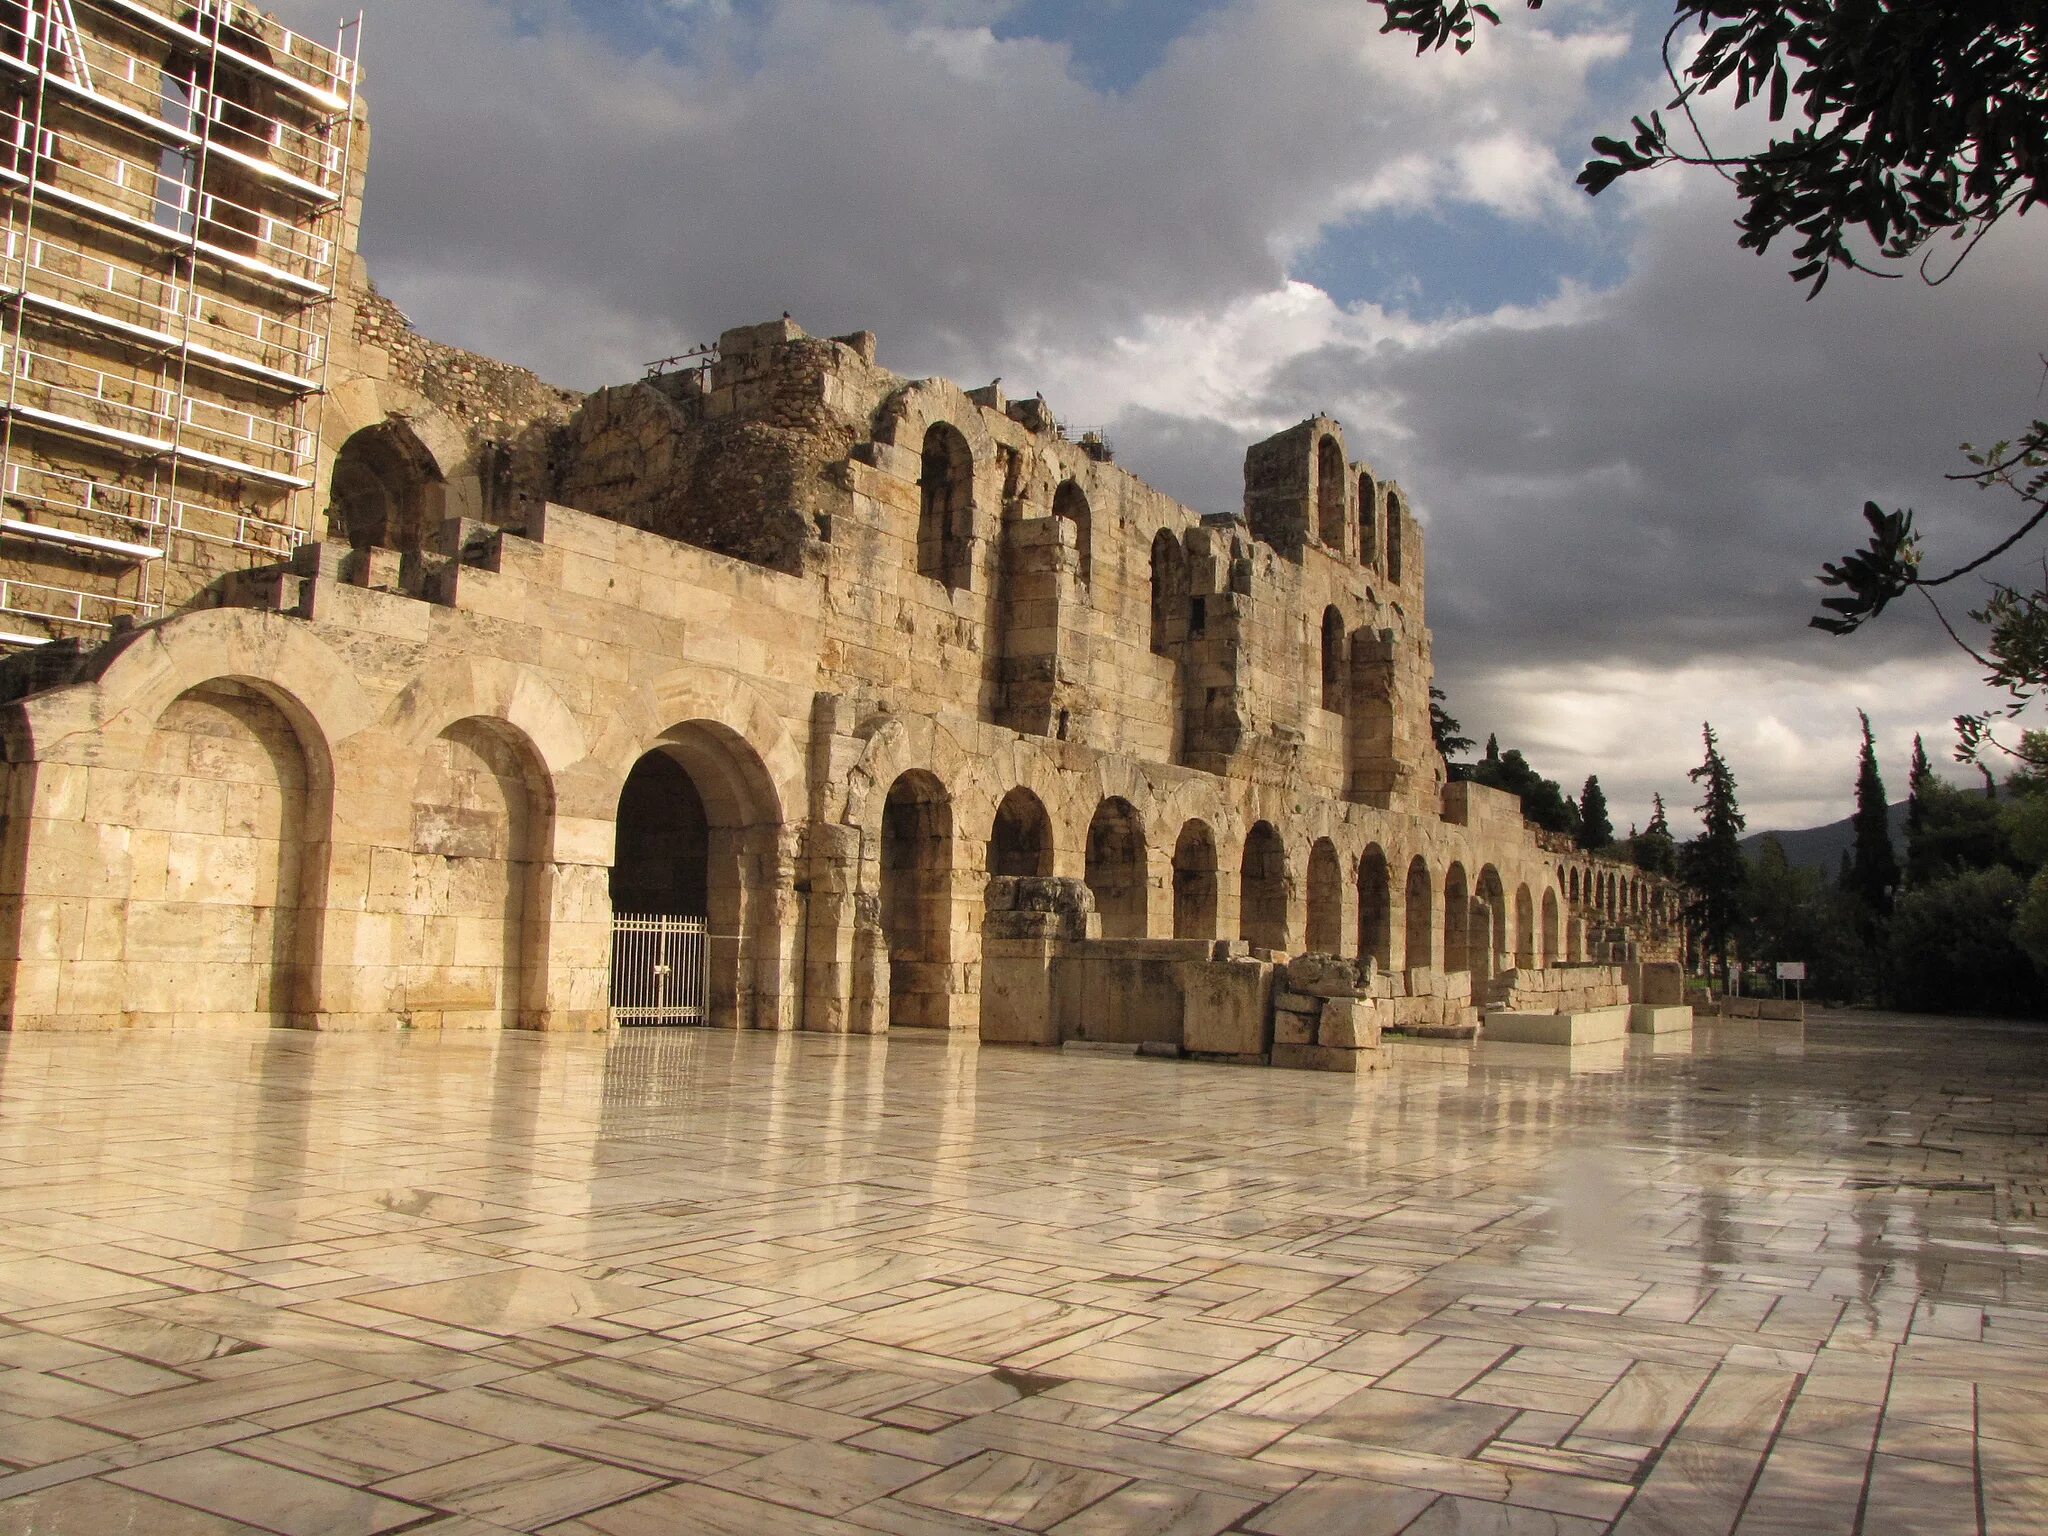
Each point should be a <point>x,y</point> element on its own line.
<point>660,887</point>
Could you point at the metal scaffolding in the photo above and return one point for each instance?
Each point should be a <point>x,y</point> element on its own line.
<point>174,177</point>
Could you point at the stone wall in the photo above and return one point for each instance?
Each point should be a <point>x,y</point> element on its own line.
<point>925,787</point>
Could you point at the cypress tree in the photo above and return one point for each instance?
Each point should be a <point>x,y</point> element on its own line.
<point>1874,868</point>
<point>1918,777</point>
<point>1595,830</point>
<point>1656,852</point>
<point>1713,865</point>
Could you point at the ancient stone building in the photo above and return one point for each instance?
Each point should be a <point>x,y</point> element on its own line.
<point>773,691</point>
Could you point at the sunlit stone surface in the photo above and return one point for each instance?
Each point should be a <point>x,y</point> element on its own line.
<point>1753,1279</point>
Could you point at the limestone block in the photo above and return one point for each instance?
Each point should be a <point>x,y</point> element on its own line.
<point>1293,1028</point>
<point>1017,1006</point>
<point>1658,1019</point>
<point>1350,1024</point>
<point>1586,1028</point>
<point>1783,1011</point>
<point>1741,1008</point>
<point>1286,1000</point>
<point>1660,982</point>
<point>1226,1008</point>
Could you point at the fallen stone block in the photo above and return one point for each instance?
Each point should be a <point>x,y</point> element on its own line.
<point>1291,1028</point>
<point>1349,1024</point>
<point>1782,1011</point>
<point>1658,1019</point>
<point>1226,1006</point>
<point>1585,1028</point>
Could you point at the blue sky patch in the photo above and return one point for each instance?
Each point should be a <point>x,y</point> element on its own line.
<point>1464,260</point>
<point>1115,43</point>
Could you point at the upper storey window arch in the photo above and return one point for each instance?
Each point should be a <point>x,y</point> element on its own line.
<point>1071,503</point>
<point>1169,593</point>
<point>1395,514</point>
<point>1368,520</point>
<point>945,514</point>
<point>1330,493</point>
<point>1333,660</point>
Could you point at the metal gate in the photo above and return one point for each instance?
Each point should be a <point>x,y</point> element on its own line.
<point>658,972</point>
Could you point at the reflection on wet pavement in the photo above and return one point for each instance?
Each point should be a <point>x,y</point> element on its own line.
<point>1755,1279</point>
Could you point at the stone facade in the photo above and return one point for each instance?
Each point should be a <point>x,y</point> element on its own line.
<point>925,714</point>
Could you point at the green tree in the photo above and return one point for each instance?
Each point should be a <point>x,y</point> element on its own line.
<point>1874,868</point>
<point>1919,774</point>
<point>1953,947</point>
<point>1596,830</point>
<point>1959,831</point>
<point>1712,865</point>
<point>1655,850</point>
<point>1792,913</point>
<point>1444,728</point>
<point>1542,801</point>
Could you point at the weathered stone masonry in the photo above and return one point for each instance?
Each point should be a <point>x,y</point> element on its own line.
<point>939,718</point>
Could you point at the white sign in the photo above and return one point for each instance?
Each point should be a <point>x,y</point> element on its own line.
<point>1791,970</point>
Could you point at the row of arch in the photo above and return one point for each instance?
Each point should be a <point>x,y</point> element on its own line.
<point>945,515</point>
<point>327,856</point>
<point>1441,916</point>
<point>1619,896</point>
<point>1334,504</point>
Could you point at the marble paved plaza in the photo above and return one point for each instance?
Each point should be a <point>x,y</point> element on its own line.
<point>1762,1279</point>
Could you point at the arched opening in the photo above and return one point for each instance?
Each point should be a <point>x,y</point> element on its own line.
<point>1333,660</point>
<point>1572,888</point>
<point>1525,929</point>
<point>217,869</point>
<point>1325,899</point>
<point>1457,920</point>
<point>1116,869</point>
<point>945,508</point>
<point>1550,952</point>
<point>695,839</point>
<point>1194,882</point>
<point>1169,593</point>
<point>1262,889</point>
<point>1020,842</point>
<point>1071,503</point>
<point>386,491</point>
<point>1330,494</point>
<point>917,900</point>
<point>479,804</point>
<point>1375,909</point>
<point>1368,521</point>
<point>1396,515</point>
<point>1419,940</point>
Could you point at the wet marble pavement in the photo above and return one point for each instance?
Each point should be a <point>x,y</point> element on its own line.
<point>1760,1279</point>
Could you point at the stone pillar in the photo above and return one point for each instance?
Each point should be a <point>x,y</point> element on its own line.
<point>569,947</point>
<point>833,862</point>
<point>1029,922</point>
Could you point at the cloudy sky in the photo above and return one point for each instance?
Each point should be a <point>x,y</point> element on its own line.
<point>1195,222</point>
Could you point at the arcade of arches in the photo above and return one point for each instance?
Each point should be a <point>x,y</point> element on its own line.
<point>541,767</point>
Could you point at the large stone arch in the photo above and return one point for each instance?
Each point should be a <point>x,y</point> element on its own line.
<point>470,927</point>
<point>363,404</point>
<point>750,775</point>
<point>136,679</point>
<point>489,688</point>
<point>710,696</point>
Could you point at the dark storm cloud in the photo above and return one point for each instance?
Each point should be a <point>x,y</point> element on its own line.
<point>537,194</point>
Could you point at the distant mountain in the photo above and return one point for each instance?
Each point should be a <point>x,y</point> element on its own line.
<point>1822,848</point>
